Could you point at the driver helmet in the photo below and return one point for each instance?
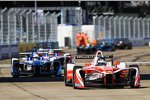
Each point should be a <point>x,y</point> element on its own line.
<point>101,63</point>
<point>35,57</point>
<point>40,49</point>
<point>120,42</point>
<point>51,52</point>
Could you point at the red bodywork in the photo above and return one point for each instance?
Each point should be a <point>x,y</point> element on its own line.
<point>108,74</point>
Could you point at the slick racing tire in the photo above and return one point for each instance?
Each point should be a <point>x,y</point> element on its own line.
<point>113,48</point>
<point>57,65</point>
<point>74,72</point>
<point>15,76</point>
<point>128,47</point>
<point>132,74</point>
<point>65,76</point>
<point>15,66</point>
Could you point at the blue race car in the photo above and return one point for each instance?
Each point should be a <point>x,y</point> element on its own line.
<point>35,64</point>
<point>86,49</point>
<point>123,43</point>
<point>106,45</point>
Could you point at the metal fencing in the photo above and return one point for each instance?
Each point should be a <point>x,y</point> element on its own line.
<point>121,27</point>
<point>26,26</point>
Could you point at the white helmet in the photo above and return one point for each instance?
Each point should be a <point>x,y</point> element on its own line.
<point>35,57</point>
<point>101,63</point>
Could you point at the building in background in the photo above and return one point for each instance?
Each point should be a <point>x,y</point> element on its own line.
<point>37,21</point>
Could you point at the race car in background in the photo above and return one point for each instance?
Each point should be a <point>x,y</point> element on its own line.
<point>86,49</point>
<point>106,45</point>
<point>123,43</point>
<point>41,62</point>
<point>57,54</point>
<point>83,44</point>
<point>101,71</point>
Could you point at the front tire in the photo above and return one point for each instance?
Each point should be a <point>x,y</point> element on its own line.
<point>74,75</point>
<point>15,68</point>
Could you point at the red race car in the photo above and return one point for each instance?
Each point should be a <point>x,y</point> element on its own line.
<point>102,70</point>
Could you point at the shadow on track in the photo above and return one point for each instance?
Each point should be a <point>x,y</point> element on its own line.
<point>32,79</point>
<point>145,76</point>
<point>48,79</point>
<point>102,87</point>
<point>105,88</point>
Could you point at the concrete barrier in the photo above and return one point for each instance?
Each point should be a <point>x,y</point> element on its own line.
<point>5,52</point>
<point>8,51</point>
<point>14,52</point>
<point>138,42</point>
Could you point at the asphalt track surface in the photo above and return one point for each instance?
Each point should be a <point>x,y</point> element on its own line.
<point>51,88</point>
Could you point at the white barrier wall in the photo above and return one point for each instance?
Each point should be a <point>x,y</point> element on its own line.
<point>89,29</point>
<point>71,31</point>
<point>67,31</point>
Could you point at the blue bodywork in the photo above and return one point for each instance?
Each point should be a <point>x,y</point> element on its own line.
<point>86,50</point>
<point>106,45</point>
<point>36,68</point>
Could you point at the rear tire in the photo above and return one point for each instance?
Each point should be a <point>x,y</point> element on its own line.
<point>15,68</point>
<point>109,81</point>
<point>57,68</point>
<point>65,76</point>
<point>132,74</point>
<point>15,76</point>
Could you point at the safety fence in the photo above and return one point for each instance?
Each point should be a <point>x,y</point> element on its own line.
<point>26,26</point>
<point>133,28</point>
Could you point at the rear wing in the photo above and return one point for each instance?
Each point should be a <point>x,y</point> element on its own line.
<point>25,54</point>
<point>108,57</point>
<point>53,49</point>
<point>92,57</point>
